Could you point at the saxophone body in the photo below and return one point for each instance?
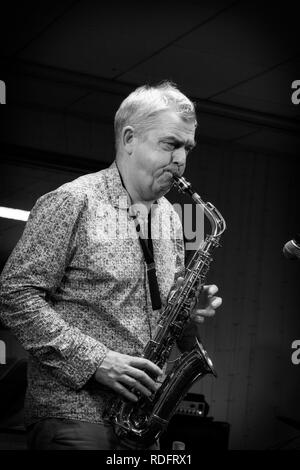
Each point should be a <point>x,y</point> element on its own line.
<point>139,424</point>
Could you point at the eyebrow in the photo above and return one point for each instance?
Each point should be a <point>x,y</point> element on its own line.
<point>190,144</point>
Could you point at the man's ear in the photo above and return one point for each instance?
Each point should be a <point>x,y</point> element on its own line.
<point>128,139</point>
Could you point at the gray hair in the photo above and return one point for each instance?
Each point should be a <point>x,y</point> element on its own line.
<point>142,106</point>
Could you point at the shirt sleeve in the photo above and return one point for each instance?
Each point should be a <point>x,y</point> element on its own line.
<point>34,270</point>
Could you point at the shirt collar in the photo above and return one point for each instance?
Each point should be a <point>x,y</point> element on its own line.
<point>117,192</point>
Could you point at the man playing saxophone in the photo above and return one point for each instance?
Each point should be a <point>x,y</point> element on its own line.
<point>78,290</point>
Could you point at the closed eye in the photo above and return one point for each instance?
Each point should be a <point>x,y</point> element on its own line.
<point>169,146</point>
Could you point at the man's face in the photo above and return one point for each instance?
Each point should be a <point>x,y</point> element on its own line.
<point>160,153</point>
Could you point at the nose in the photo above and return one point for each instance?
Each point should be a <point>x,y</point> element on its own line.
<point>179,157</point>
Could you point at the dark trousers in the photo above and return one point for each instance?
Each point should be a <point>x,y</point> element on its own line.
<point>65,434</point>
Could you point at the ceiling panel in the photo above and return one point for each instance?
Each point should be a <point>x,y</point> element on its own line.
<point>258,32</point>
<point>270,92</point>
<point>104,39</point>
<point>21,22</point>
<point>199,74</point>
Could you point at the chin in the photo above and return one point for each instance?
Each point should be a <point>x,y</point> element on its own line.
<point>164,189</point>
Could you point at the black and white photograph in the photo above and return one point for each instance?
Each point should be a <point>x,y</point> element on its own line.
<point>150,228</point>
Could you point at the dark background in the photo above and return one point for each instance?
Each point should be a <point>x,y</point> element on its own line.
<point>67,67</point>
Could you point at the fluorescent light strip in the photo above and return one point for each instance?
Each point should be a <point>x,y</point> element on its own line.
<point>15,214</point>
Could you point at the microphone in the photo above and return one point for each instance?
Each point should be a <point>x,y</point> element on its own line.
<point>291,249</point>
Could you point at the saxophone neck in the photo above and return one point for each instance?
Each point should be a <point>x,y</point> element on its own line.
<point>218,224</point>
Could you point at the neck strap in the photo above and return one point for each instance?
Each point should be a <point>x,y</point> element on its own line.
<point>147,249</point>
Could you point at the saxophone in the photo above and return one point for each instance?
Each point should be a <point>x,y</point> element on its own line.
<point>139,424</point>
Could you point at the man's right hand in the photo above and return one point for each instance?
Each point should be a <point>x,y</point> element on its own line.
<point>125,374</point>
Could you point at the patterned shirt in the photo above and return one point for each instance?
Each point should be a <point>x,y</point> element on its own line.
<point>76,286</point>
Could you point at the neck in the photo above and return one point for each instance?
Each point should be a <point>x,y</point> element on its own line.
<point>127,181</point>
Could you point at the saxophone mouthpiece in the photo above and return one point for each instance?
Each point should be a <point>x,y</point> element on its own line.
<point>182,184</point>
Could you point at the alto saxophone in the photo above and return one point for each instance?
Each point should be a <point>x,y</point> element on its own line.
<point>139,424</point>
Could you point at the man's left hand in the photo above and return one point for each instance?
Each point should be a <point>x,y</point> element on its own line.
<point>207,303</point>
